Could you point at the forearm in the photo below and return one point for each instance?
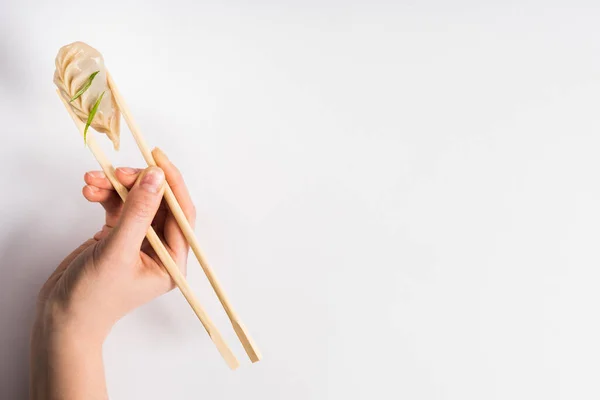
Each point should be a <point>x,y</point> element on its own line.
<point>65,364</point>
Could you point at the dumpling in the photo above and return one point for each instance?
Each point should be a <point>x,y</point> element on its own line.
<point>75,63</point>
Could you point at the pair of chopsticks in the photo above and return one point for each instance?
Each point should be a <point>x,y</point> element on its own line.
<point>164,256</point>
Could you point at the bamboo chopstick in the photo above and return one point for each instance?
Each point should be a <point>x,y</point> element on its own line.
<point>159,247</point>
<point>239,328</point>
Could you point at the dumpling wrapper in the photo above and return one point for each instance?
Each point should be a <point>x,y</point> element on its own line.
<point>75,63</point>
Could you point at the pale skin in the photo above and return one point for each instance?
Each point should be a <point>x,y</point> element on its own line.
<point>105,278</point>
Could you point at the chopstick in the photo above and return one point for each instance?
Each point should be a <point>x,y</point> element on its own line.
<point>158,247</point>
<point>239,328</point>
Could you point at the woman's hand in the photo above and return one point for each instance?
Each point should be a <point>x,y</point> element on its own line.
<point>106,277</point>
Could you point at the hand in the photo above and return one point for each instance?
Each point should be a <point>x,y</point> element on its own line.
<point>116,271</point>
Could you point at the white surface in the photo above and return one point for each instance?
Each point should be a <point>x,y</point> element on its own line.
<point>402,200</point>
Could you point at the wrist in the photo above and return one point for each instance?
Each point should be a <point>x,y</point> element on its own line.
<point>66,359</point>
<point>60,325</point>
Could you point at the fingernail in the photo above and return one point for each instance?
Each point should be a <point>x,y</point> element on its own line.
<point>160,153</point>
<point>127,170</point>
<point>93,189</point>
<point>152,180</point>
<point>97,174</point>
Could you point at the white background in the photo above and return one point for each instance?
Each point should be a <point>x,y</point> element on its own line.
<point>401,199</point>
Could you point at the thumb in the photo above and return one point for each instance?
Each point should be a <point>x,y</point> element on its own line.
<point>140,208</point>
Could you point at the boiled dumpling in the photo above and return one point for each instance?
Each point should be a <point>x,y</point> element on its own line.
<point>75,63</point>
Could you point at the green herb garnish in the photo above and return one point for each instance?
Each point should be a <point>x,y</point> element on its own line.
<point>91,116</point>
<point>86,85</point>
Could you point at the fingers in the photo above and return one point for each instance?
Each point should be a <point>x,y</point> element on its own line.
<point>142,203</point>
<point>97,179</point>
<point>127,176</point>
<point>95,194</point>
<point>109,199</point>
<point>172,233</point>
<point>100,190</point>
